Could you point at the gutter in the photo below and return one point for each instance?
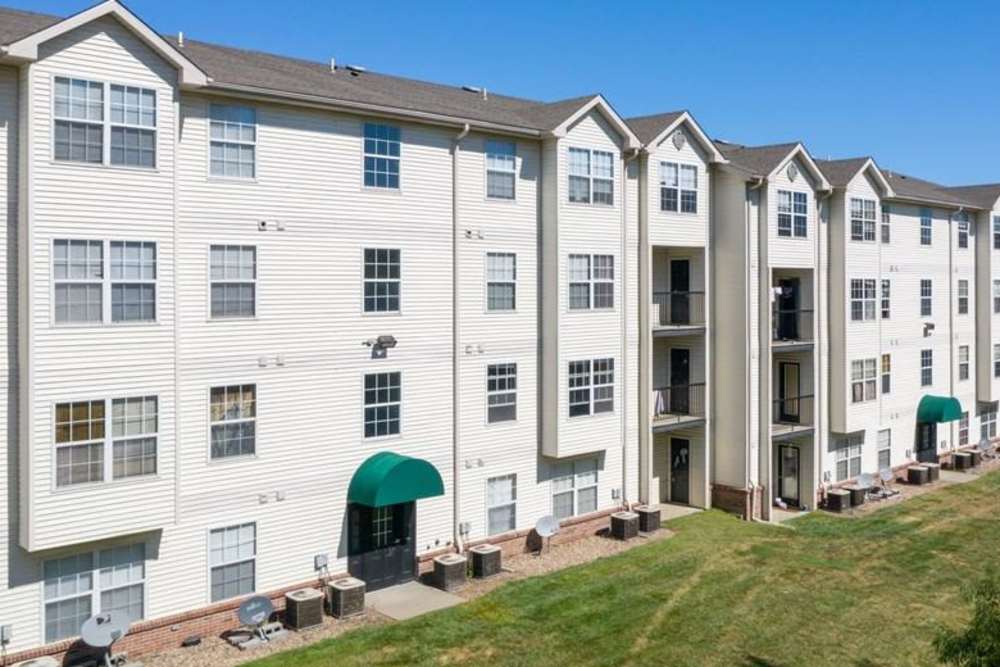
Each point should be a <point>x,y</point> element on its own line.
<point>455,339</point>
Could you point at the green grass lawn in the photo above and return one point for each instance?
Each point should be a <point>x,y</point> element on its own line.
<point>869,591</point>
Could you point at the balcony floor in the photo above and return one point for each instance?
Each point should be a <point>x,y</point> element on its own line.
<point>669,421</point>
<point>669,330</point>
<point>792,345</point>
<point>787,430</point>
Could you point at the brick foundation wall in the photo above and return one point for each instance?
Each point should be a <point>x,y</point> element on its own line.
<point>169,631</point>
<point>740,502</point>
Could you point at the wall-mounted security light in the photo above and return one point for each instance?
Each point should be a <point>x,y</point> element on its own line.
<point>381,345</point>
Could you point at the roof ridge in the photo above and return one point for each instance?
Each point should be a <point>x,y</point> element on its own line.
<point>676,112</point>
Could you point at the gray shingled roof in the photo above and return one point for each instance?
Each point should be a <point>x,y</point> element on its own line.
<point>917,189</point>
<point>758,160</point>
<point>840,172</point>
<point>648,128</point>
<point>284,75</point>
<point>984,196</point>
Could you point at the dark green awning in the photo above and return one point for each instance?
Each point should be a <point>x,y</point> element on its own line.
<point>936,409</point>
<point>388,478</point>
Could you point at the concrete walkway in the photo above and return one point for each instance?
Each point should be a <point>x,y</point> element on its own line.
<point>409,600</point>
<point>670,511</point>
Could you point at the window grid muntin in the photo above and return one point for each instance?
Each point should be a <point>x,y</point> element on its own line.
<point>886,298</point>
<point>501,504</point>
<point>864,376</point>
<point>382,404</point>
<point>862,219</point>
<point>233,281</point>
<point>996,360</point>
<point>134,441</point>
<point>501,169</point>
<point>678,187</point>
<point>884,449</point>
<point>233,420</point>
<point>963,430</point>
<point>133,281</point>
<point>132,126</point>
<point>988,423</point>
<point>926,297</point>
<point>886,224</point>
<point>926,368</point>
<point>862,299</point>
<point>501,281</point>
<point>591,176</point>
<point>591,386</point>
<point>501,392</point>
<point>963,362</point>
<point>382,147</point>
<point>848,459</point>
<point>574,488</point>
<point>78,270</point>
<point>926,230</point>
<point>78,120</point>
<point>382,280</point>
<point>886,373</point>
<point>591,282</point>
<point>232,560</point>
<point>963,297</point>
<point>793,214</point>
<point>232,141</point>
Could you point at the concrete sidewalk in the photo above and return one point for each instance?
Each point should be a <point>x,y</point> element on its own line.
<point>409,600</point>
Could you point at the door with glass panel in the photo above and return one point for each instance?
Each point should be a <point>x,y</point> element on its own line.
<point>788,391</point>
<point>381,548</point>
<point>788,475</point>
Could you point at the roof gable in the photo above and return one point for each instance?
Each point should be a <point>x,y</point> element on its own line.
<point>765,161</point>
<point>25,48</point>
<point>840,173</point>
<point>599,104</point>
<point>654,130</point>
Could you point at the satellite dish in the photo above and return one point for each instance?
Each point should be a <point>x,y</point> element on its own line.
<point>547,526</point>
<point>103,630</point>
<point>984,445</point>
<point>885,474</point>
<point>255,611</point>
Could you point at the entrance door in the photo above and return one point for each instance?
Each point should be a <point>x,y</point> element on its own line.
<point>788,474</point>
<point>680,467</point>
<point>381,549</point>
<point>788,306</point>
<point>680,381</point>
<point>680,285</point>
<point>788,392</point>
<point>927,443</point>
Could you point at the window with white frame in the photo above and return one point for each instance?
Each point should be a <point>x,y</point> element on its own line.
<point>79,586</point>
<point>793,210</point>
<point>886,301</point>
<point>926,368</point>
<point>232,141</point>
<point>884,449</point>
<point>963,297</point>
<point>963,362</point>
<point>862,219</point>
<point>382,280</point>
<point>963,230</point>
<point>886,373</point>
<point>501,281</point>
<point>678,187</point>
<point>988,423</point>
<point>501,504</point>
<point>996,232</point>
<point>996,361</point>
<point>963,429</point>
<point>233,417</point>
<point>864,374</point>
<point>383,400</point>
<point>501,393</point>
<point>381,155</point>
<point>926,297</point>
<point>85,452</point>
<point>233,272</point>
<point>886,224</point>
<point>591,281</point>
<point>862,299</point>
<point>849,458</point>
<point>591,386</point>
<point>591,176</point>
<point>80,281</point>
<point>233,561</point>
<point>574,488</point>
<point>926,232</point>
<point>501,168</point>
<point>80,131</point>
<point>996,296</point>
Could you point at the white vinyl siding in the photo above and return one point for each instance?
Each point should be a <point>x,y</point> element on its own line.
<point>232,141</point>
<point>233,281</point>
<point>501,504</point>
<point>501,281</point>
<point>501,393</point>
<point>501,169</point>
<point>574,488</point>
<point>233,416</point>
<point>233,561</point>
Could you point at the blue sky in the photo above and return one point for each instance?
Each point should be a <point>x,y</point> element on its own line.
<point>913,83</point>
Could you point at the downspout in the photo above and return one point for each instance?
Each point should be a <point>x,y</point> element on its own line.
<point>952,286</point>
<point>819,383</point>
<point>455,340</point>
<point>624,326</point>
<point>749,349</point>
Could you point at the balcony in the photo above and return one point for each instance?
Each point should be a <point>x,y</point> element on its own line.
<point>678,406</point>
<point>792,416</point>
<point>791,328</point>
<point>678,313</point>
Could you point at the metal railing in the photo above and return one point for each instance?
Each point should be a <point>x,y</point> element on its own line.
<point>791,325</point>
<point>678,309</point>
<point>793,410</point>
<point>679,402</point>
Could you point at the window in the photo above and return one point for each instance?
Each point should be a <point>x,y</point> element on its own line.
<point>862,299</point>
<point>886,289</point>
<point>501,281</point>
<point>574,488</point>
<point>233,420</point>
<point>78,274</point>
<point>82,443</point>
<point>925,227</point>
<point>996,232</point>
<point>79,120</point>
<point>381,146</point>
<point>234,281</point>
<point>926,368</point>
<point>76,587</point>
<point>886,373</point>
<point>988,423</point>
<point>133,281</point>
<point>996,296</point>
<point>996,361</point>
<point>884,449</point>
<point>963,297</point>
<point>792,213</point>
<point>963,230</point>
<point>232,561</point>
<point>591,176</point>
<point>862,220</point>
<point>591,387</point>
<point>886,226</point>
<point>382,404</point>
<point>591,274</point>
<point>501,393</point>
<point>963,362</point>
<point>501,504</point>
<point>133,126</point>
<point>863,380</point>
<point>501,169</point>
<point>849,458</point>
<point>381,283</point>
<point>926,294</point>
<point>678,187</point>
<point>963,429</point>
<point>233,141</point>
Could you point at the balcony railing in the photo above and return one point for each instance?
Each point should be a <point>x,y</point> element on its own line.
<point>792,326</point>
<point>671,309</point>
<point>792,413</point>
<point>682,402</point>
